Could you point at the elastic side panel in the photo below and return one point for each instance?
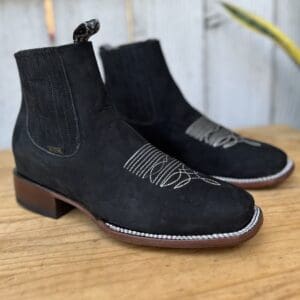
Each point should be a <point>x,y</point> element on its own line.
<point>51,117</point>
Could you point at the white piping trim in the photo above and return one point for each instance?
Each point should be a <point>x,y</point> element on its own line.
<point>284,171</point>
<point>255,219</point>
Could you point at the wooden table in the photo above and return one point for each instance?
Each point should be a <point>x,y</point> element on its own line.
<point>70,258</point>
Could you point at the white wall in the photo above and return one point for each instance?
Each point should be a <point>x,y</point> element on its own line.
<point>237,77</point>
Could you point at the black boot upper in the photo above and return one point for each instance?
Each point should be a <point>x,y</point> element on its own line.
<point>145,94</point>
<point>68,138</point>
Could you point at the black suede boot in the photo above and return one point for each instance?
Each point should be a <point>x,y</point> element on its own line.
<point>146,96</point>
<point>71,150</point>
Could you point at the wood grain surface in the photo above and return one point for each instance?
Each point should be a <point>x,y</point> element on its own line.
<point>70,258</point>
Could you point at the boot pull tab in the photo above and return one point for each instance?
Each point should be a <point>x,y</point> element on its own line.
<point>85,30</point>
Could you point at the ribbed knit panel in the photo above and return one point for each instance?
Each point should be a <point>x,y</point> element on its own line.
<point>51,116</point>
<point>57,83</point>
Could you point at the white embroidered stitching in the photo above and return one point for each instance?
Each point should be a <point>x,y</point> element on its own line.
<point>152,156</point>
<point>165,167</point>
<point>137,160</point>
<point>129,161</point>
<point>153,161</point>
<point>169,174</point>
<point>204,130</point>
<point>143,159</point>
<point>161,169</point>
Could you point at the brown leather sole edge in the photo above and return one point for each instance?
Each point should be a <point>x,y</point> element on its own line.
<point>51,204</point>
<point>259,183</point>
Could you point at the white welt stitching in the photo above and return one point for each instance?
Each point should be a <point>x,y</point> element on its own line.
<point>284,171</point>
<point>255,219</point>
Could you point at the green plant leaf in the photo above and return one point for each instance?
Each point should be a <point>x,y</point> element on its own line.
<point>265,27</point>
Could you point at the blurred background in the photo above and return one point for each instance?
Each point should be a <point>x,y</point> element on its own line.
<point>237,77</point>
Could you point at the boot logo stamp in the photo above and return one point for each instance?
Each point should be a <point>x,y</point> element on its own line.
<point>55,150</point>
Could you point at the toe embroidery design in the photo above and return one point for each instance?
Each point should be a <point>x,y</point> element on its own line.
<point>161,169</point>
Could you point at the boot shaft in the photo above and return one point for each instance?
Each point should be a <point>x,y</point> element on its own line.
<point>140,84</point>
<point>61,92</point>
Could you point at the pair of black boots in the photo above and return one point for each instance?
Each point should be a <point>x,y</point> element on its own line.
<point>102,149</point>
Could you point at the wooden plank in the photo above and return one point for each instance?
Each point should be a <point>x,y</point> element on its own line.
<point>70,258</point>
<point>239,67</point>
<point>179,26</point>
<point>287,74</point>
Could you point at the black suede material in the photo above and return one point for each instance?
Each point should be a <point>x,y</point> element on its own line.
<point>93,172</point>
<point>145,95</point>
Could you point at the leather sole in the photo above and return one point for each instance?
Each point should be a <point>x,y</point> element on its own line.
<point>39,199</point>
<point>262,182</point>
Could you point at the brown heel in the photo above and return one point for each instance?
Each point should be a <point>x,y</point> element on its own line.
<point>38,199</point>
